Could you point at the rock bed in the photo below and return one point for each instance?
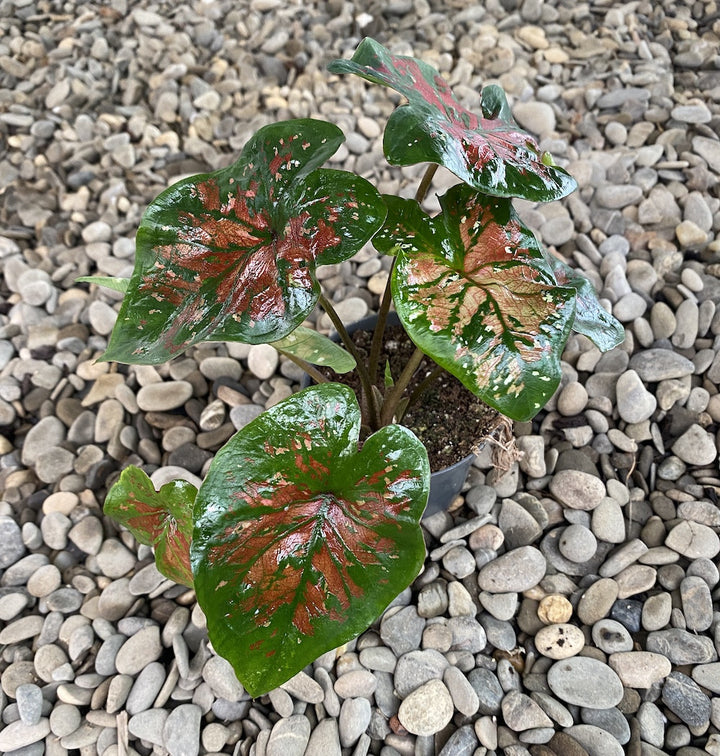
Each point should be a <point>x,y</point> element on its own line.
<point>565,608</point>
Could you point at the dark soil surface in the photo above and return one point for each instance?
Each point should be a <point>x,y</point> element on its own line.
<point>448,419</point>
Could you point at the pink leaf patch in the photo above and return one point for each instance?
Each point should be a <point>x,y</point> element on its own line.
<point>162,519</point>
<point>301,540</point>
<point>490,152</point>
<point>474,293</point>
<point>231,255</point>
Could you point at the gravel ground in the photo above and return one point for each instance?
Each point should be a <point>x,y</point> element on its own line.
<point>566,608</point>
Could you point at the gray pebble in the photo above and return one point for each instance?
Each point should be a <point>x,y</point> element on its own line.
<point>577,543</point>
<point>653,365</point>
<point>595,740</point>
<point>577,489</point>
<point>697,604</point>
<point>611,720</point>
<point>17,735</point>
<point>139,650</point>
<point>681,647</point>
<point>220,676</point>
<point>611,636</point>
<point>518,525</point>
<point>693,540</point>
<point>585,682</point>
<point>656,611</point>
<point>353,721</point>
<point>148,725</point>
<point>29,701</point>
<point>402,630</point>
<point>634,402</point>
<point>13,547</point>
<point>652,724</point>
<point>684,698</point>
<point>181,731</point>
<point>324,739</point>
<point>696,446</point>
<point>64,719</point>
<point>520,712</point>
<point>164,396</point>
<point>146,688</point>
<point>516,571</point>
<point>357,683</point>
<point>707,676</point>
<point>416,668</point>
<point>427,710</point>
<point>488,690</point>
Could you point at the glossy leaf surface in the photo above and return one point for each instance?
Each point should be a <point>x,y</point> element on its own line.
<point>591,318</point>
<point>300,540</point>
<point>316,349</point>
<point>490,152</point>
<point>162,519</point>
<point>473,291</point>
<point>116,284</point>
<point>231,255</point>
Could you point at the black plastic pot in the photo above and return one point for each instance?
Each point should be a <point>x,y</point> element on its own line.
<point>445,484</point>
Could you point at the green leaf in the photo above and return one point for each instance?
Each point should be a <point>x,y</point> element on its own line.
<point>490,152</point>
<point>473,291</point>
<point>117,284</point>
<point>231,255</point>
<point>300,539</point>
<point>389,382</point>
<point>591,318</point>
<point>162,519</point>
<point>316,349</point>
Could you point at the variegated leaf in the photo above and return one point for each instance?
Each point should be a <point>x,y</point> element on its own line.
<point>490,151</point>
<point>591,318</point>
<point>231,255</point>
<point>473,291</point>
<point>300,539</point>
<point>162,519</point>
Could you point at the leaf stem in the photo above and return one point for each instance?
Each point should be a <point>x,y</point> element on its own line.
<point>376,345</point>
<point>363,374</point>
<point>425,384</point>
<point>311,370</point>
<point>427,178</point>
<point>394,394</point>
<point>377,339</point>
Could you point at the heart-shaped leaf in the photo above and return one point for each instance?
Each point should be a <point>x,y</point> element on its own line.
<point>300,539</point>
<point>162,519</point>
<point>231,255</point>
<point>591,318</point>
<point>490,152</point>
<point>473,291</point>
<point>316,349</point>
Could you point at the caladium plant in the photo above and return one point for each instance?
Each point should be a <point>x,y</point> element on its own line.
<point>307,524</point>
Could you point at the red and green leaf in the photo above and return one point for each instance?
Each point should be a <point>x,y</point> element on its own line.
<point>300,539</point>
<point>162,519</point>
<point>490,152</point>
<point>231,255</point>
<point>473,291</point>
<point>591,318</point>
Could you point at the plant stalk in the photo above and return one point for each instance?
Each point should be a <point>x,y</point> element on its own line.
<point>425,384</point>
<point>393,396</point>
<point>363,375</point>
<point>427,178</point>
<point>377,340</point>
<point>311,370</point>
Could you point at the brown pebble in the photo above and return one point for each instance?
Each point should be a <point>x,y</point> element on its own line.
<point>563,745</point>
